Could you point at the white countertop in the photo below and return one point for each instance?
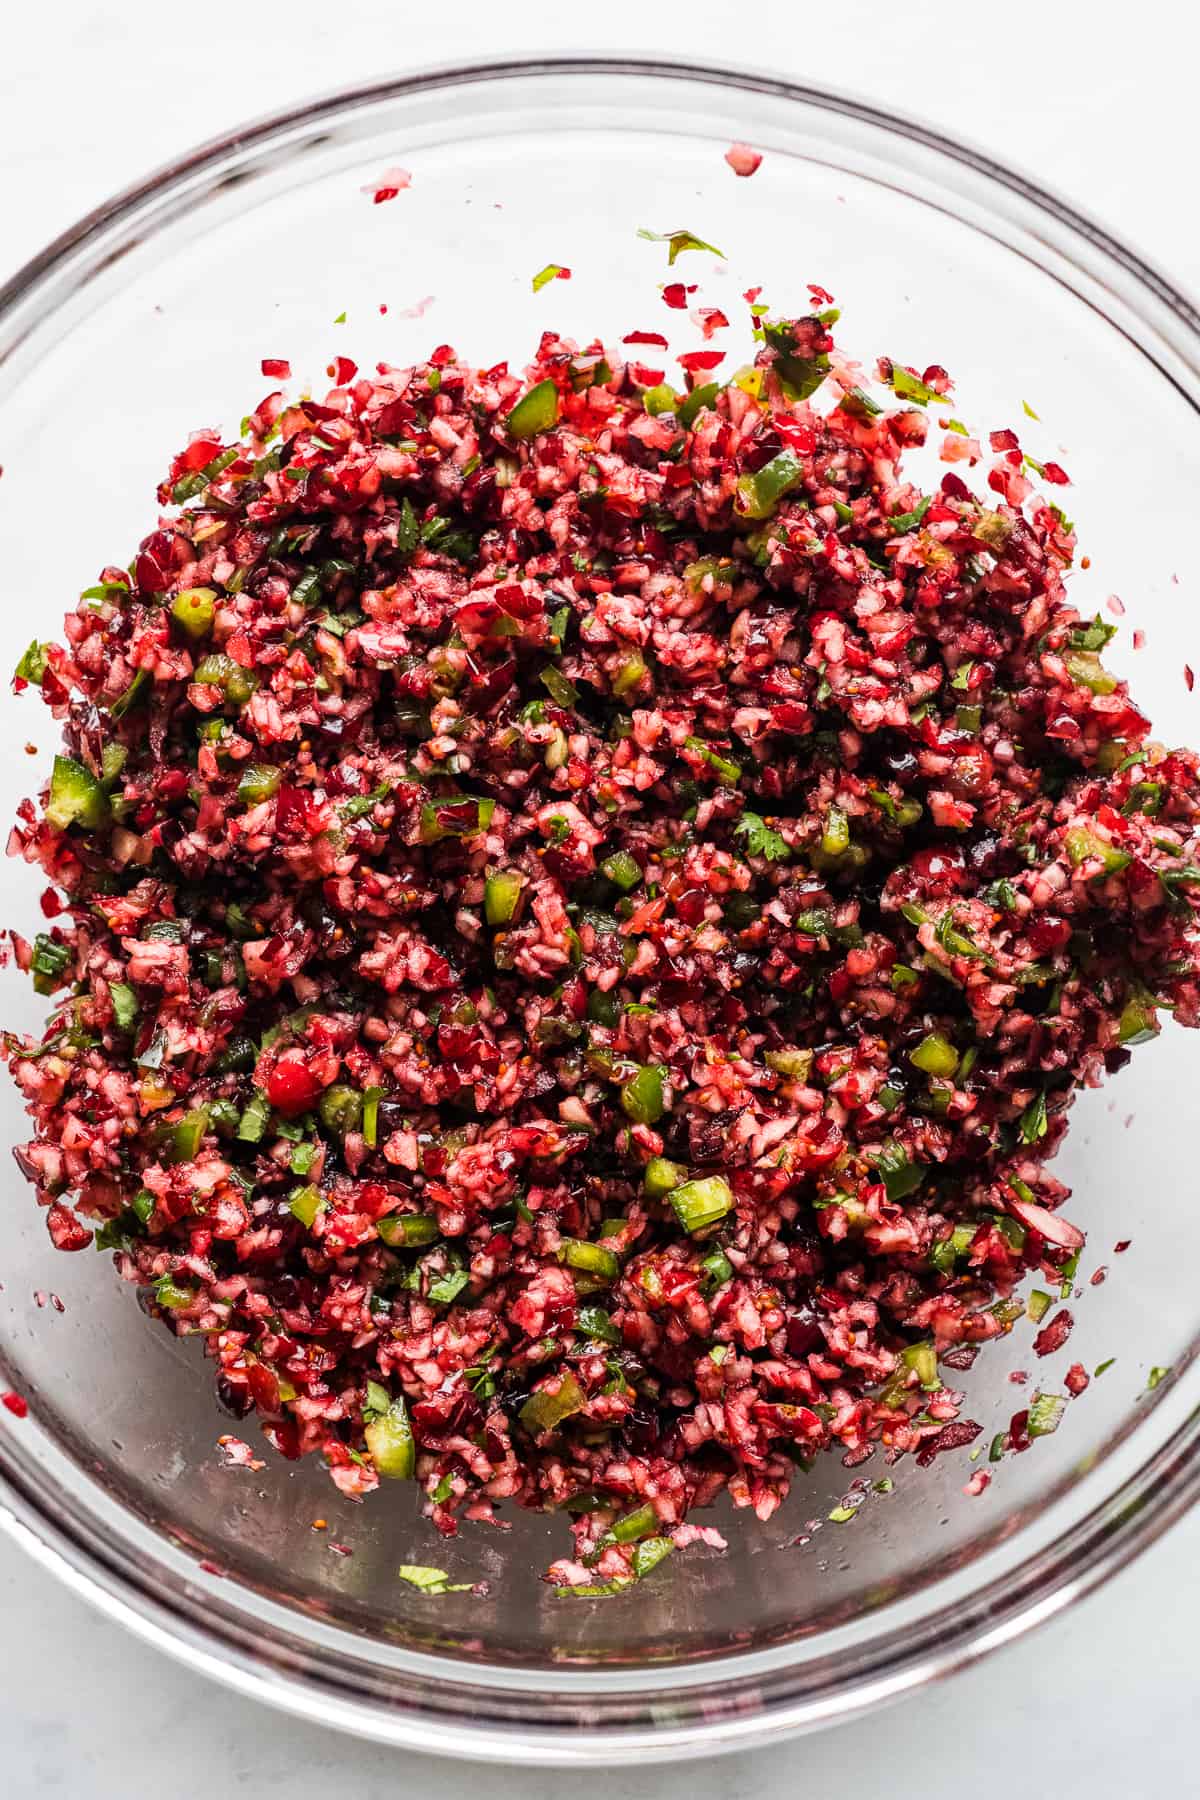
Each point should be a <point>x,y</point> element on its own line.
<point>1098,100</point>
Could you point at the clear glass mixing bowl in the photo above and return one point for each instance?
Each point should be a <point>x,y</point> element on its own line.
<point>151,318</point>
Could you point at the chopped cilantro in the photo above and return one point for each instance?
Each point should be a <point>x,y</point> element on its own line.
<point>760,839</point>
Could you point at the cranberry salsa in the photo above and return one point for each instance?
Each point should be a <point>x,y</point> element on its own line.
<point>577,914</point>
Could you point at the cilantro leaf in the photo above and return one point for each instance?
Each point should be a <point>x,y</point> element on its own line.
<point>760,839</point>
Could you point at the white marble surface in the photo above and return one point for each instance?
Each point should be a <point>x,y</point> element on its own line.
<point>1100,100</point>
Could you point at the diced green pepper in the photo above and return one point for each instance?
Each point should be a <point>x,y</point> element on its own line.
<point>304,1203</point>
<point>936,1055</point>
<point>760,493</point>
<point>546,1409</point>
<point>391,1443</point>
<point>501,893</point>
<point>643,1097</point>
<point>535,411</point>
<point>1038,1305</point>
<point>591,1259</point>
<point>701,1203</point>
<point>194,610</point>
<point>76,797</point>
<point>661,1176</point>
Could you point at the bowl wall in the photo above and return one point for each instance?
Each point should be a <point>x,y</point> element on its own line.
<point>154,322</point>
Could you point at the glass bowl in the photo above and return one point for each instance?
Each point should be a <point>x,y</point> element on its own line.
<point>151,318</point>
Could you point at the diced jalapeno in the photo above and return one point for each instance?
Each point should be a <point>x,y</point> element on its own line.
<point>370,1116</point>
<point>603,1008</point>
<point>188,1134</point>
<point>221,671</point>
<point>661,1176</point>
<point>594,1322</point>
<point>650,1553</point>
<point>899,1175</point>
<point>546,1409</point>
<point>835,838</point>
<point>193,611</point>
<point>643,1098</point>
<point>391,1443</point>
<point>1085,667</point>
<point>403,1231</point>
<point>622,868</point>
<point>535,411</point>
<point>923,1358</point>
<point>936,1055</point>
<point>701,1203</point>
<point>174,1295</point>
<point>793,1065</point>
<point>1139,1023</point>
<point>456,817</point>
<point>253,1123</point>
<point>700,399</point>
<point>76,797</point>
<point>49,964</point>
<point>1045,1414</point>
<point>1084,845</point>
<point>629,674</point>
<point>304,1203</point>
<point>501,893</point>
<point>759,494</point>
<point>259,782</point>
<point>561,691</point>
<point>590,1259</point>
<point>660,399</point>
<point>340,1108</point>
<point>717,1270</point>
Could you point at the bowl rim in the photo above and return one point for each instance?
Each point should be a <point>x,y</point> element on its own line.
<point>745,1709</point>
